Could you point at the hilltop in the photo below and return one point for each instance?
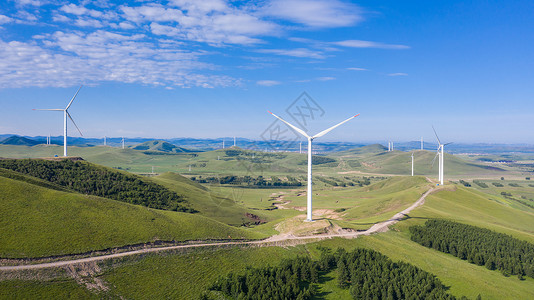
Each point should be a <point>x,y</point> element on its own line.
<point>162,146</point>
<point>90,179</point>
<point>19,140</point>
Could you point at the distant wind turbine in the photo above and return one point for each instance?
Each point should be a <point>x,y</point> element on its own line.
<point>310,139</point>
<point>122,142</point>
<point>439,155</point>
<point>65,115</point>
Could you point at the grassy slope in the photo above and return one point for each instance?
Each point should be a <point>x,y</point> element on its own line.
<point>368,205</point>
<point>209,204</point>
<point>57,289</point>
<point>37,221</point>
<point>399,162</point>
<point>472,207</point>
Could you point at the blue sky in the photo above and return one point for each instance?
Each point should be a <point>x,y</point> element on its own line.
<point>213,68</point>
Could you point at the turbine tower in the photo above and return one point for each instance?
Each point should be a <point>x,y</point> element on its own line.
<point>122,142</point>
<point>440,156</point>
<point>421,143</point>
<point>65,115</point>
<point>310,139</point>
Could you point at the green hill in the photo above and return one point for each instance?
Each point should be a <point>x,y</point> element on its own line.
<point>400,163</point>
<point>369,149</point>
<point>19,140</point>
<point>212,204</point>
<point>100,181</point>
<point>38,221</point>
<point>161,146</point>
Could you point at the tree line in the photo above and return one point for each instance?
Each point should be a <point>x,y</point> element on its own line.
<point>366,273</point>
<point>258,181</point>
<point>480,246</point>
<point>100,181</point>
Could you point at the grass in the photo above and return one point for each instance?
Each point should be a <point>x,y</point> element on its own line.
<point>71,222</point>
<point>462,277</point>
<point>34,289</point>
<point>470,206</point>
<point>186,276</point>
<point>37,222</point>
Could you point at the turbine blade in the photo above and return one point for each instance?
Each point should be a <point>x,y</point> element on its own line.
<point>292,126</point>
<point>74,123</point>
<point>331,128</point>
<point>448,143</point>
<point>436,134</point>
<point>73,97</point>
<point>54,109</point>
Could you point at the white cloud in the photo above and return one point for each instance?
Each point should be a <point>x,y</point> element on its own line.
<point>368,44</point>
<point>98,57</point>
<point>315,13</point>
<point>327,78</point>
<point>81,10</point>
<point>268,82</point>
<point>298,52</point>
<point>30,2</point>
<point>5,19</point>
<point>356,69</point>
<point>209,22</point>
<point>398,74</point>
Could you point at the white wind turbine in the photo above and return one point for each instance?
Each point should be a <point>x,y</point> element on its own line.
<point>310,139</point>
<point>65,115</point>
<point>439,155</point>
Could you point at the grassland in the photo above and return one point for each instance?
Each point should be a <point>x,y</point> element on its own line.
<point>185,275</point>
<point>37,222</point>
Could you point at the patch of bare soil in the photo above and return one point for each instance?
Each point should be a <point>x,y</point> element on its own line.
<point>86,274</point>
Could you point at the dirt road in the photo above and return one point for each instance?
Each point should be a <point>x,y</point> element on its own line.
<point>274,240</point>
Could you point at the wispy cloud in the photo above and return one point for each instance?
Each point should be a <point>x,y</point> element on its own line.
<point>356,69</point>
<point>268,82</point>
<point>326,78</point>
<point>397,74</point>
<point>315,13</point>
<point>368,44</point>
<point>298,52</point>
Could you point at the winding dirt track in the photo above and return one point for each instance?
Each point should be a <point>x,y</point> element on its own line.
<point>379,227</point>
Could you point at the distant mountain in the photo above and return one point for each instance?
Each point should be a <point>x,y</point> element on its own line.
<point>19,140</point>
<point>161,146</point>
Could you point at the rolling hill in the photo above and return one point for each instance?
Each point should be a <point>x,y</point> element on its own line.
<point>91,179</point>
<point>161,146</point>
<point>39,221</point>
<point>19,140</point>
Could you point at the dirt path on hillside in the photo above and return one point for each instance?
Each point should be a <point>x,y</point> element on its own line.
<point>276,240</point>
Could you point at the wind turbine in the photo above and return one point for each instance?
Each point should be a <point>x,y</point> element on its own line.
<point>421,143</point>
<point>310,139</point>
<point>439,155</point>
<point>122,142</point>
<point>65,115</point>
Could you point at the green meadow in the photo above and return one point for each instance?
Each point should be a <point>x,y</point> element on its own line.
<point>359,189</point>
